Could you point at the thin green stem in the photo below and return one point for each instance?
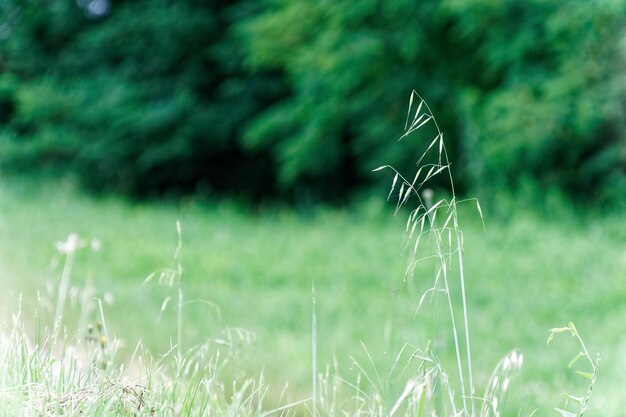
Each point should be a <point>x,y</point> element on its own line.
<point>63,287</point>
<point>179,275</point>
<point>444,162</point>
<point>461,274</point>
<point>465,315</point>
<point>454,328</point>
<point>314,349</point>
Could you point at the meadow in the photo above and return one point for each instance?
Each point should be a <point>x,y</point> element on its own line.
<point>248,276</point>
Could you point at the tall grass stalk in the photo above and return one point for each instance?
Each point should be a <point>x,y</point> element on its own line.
<point>448,238</point>
<point>314,350</point>
<point>448,246</point>
<point>68,248</point>
<point>179,281</point>
<point>173,278</point>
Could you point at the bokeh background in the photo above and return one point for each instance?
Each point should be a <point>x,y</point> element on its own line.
<point>299,100</point>
<point>257,124</point>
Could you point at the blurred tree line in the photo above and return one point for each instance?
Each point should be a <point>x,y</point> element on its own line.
<point>302,99</point>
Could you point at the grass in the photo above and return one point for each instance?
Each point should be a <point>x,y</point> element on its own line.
<point>527,274</point>
<point>53,374</point>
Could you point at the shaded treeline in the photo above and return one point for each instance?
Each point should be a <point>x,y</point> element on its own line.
<point>301,99</point>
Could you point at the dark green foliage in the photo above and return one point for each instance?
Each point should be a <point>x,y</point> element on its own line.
<point>349,63</point>
<point>550,102</point>
<point>524,89</point>
<point>302,99</point>
<point>148,99</point>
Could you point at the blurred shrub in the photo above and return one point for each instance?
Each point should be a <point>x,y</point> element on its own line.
<point>527,90</point>
<point>549,104</point>
<point>298,98</point>
<point>352,66</point>
<point>147,99</point>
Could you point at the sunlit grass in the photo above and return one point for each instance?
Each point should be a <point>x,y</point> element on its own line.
<point>525,275</point>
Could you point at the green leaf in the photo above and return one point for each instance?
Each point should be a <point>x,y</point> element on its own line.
<point>579,400</point>
<point>557,330</point>
<point>564,413</point>
<point>575,359</point>
<point>480,211</point>
<point>572,328</point>
<point>586,375</point>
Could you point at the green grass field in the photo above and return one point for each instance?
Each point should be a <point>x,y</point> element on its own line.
<point>525,275</point>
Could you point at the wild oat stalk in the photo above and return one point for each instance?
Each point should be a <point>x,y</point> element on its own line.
<point>448,242</point>
<point>448,238</point>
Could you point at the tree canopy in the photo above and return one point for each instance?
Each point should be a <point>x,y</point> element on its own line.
<point>291,98</point>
